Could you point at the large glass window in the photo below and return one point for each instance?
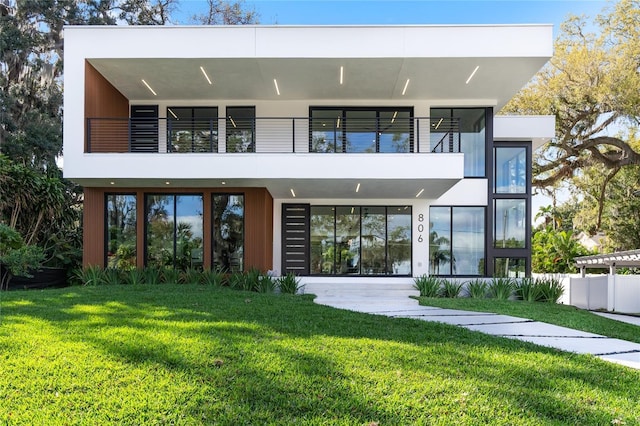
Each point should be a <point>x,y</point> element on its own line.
<point>174,231</point>
<point>228,232</point>
<point>192,129</point>
<point>456,241</point>
<point>369,240</point>
<point>513,267</point>
<point>510,165</point>
<point>510,223</point>
<point>355,129</point>
<point>121,230</point>
<point>470,123</point>
<point>241,124</point>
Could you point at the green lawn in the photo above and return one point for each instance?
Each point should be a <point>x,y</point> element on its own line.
<point>552,313</point>
<point>176,354</point>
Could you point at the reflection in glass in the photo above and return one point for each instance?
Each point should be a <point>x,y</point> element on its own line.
<point>228,232</point>
<point>174,231</point>
<point>394,131</point>
<point>121,231</point>
<point>326,131</point>
<point>374,240</point>
<point>440,260</point>
<point>348,240</point>
<point>192,129</point>
<point>510,170</point>
<point>241,129</point>
<point>322,240</point>
<point>510,224</point>
<point>399,240</point>
<point>468,240</point>
<point>360,131</point>
<point>509,267</point>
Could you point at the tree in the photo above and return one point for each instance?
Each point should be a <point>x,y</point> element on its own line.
<point>592,86</point>
<point>16,257</point>
<point>221,12</point>
<point>554,251</point>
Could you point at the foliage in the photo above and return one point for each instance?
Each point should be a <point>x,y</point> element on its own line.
<point>477,288</point>
<point>213,277</point>
<point>152,275</point>
<point>549,289</point>
<point>112,276</point>
<point>451,288</point>
<point>226,13</point>
<point>16,257</point>
<point>195,355</point>
<point>526,289</point>
<point>170,276</point>
<point>428,286</point>
<point>191,276</point>
<point>289,284</point>
<point>133,276</point>
<point>92,275</point>
<point>501,288</point>
<point>555,251</point>
<point>265,284</point>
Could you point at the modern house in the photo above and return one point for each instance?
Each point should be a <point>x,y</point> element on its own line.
<point>324,151</point>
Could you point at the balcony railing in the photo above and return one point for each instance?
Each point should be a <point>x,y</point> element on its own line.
<point>273,135</point>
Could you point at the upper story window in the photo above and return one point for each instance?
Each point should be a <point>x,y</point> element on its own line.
<point>241,129</point>
<point>339,129</point>
<point>510,168</point>
<point>472,125</point>
<point>192,129</point>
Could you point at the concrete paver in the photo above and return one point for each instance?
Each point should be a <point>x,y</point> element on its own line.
<point>618,317</point>
<point>398,304</point>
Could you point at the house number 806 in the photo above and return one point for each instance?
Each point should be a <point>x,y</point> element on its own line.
<point>420,227</point>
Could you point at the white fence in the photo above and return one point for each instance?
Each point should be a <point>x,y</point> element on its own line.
<point>615,293</point>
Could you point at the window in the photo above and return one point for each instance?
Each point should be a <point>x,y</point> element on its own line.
<point>241,125</point>
<point>456,241</point>
<point>386,129</point>
<point>174,231</point>
<point>510,223</point>
<point>121,230</point>
<point>510,165</point>
<point>192,129</point>
<point>509,267</point>
<point>471,123</point>
<point>361,240</point>
<point>228,232</point>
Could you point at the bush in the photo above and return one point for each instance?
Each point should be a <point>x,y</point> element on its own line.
<point>549,289</point>
<point>134,276</point>
<point>450,289</point>
<point>289,284</point>
<point>170,276</point>
<point>527,289</point>
<point>213,277</point>
<point>91,275</point>
<point>16,257</point>
<point>477,288</point>
<point>501,288</point>
<point>152,275</point>
<point>112,276</point>
<point>191,276</point>
<point>427,286</point>
<point>265,284</point>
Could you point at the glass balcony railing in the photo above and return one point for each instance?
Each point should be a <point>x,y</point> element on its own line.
<point>272,135</point>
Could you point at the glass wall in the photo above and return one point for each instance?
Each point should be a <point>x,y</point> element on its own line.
<point>174,231</point>
<point>457,241</point>
<point>354,240</point>
<point>472,124</point>
<point>510,223</point>
<point>192,129</point>
<point>356,129</point>
<point>121,230</point>
<point>510,165</point>
<point>228,232</point>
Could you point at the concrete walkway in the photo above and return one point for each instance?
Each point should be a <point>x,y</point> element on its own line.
<point>394,301</point>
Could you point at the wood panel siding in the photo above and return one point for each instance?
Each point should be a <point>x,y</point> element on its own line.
<point>93,227</point>
<point>258,232</point>
<point>103,100</point>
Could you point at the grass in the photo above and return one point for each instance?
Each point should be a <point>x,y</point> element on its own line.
<point>552,313</point>
<point>186,354</point>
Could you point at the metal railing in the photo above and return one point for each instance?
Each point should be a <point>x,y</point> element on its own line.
<point>273,135</point>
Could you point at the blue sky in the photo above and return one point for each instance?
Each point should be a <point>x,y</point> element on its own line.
<point>362,12</point>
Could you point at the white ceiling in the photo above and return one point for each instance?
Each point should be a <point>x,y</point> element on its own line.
<point>434,79</point>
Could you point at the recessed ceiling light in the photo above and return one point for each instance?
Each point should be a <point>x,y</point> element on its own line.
<point>419,192</point>
<point>205,75</point>
<point>167,183</point>
<point>293,193</point>
<point>405,87</point>
<point>224,183</point>
<point>149,87</point>
<point>341,74</point>
<point>275,82</point>
<point>472,74</point>
<point>112,183</point>
<point>358,187</point>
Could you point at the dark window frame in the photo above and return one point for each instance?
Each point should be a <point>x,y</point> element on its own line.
<point>229,124</point>
<point>213,125</point>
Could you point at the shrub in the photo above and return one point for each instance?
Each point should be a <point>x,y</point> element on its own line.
<point>526,289</point>
<point>152,275</point>
<point>91,275</point>
<point>16,257</point>
<point>477,288</point>
<point>501,288</point>
<point>134,276</point>
<point>450,289</point>
<point>549,289</point>
<point>289,284</point>
<point>170,275</point>
<point>427,286</point>
<point>213,277</point>
<point>112,276</point>
<point>265,284</point>
<point>191,276</point>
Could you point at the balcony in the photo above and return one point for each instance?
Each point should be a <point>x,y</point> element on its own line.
<point>272,135</point>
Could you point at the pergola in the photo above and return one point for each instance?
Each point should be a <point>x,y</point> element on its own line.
<point>629,258</point>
